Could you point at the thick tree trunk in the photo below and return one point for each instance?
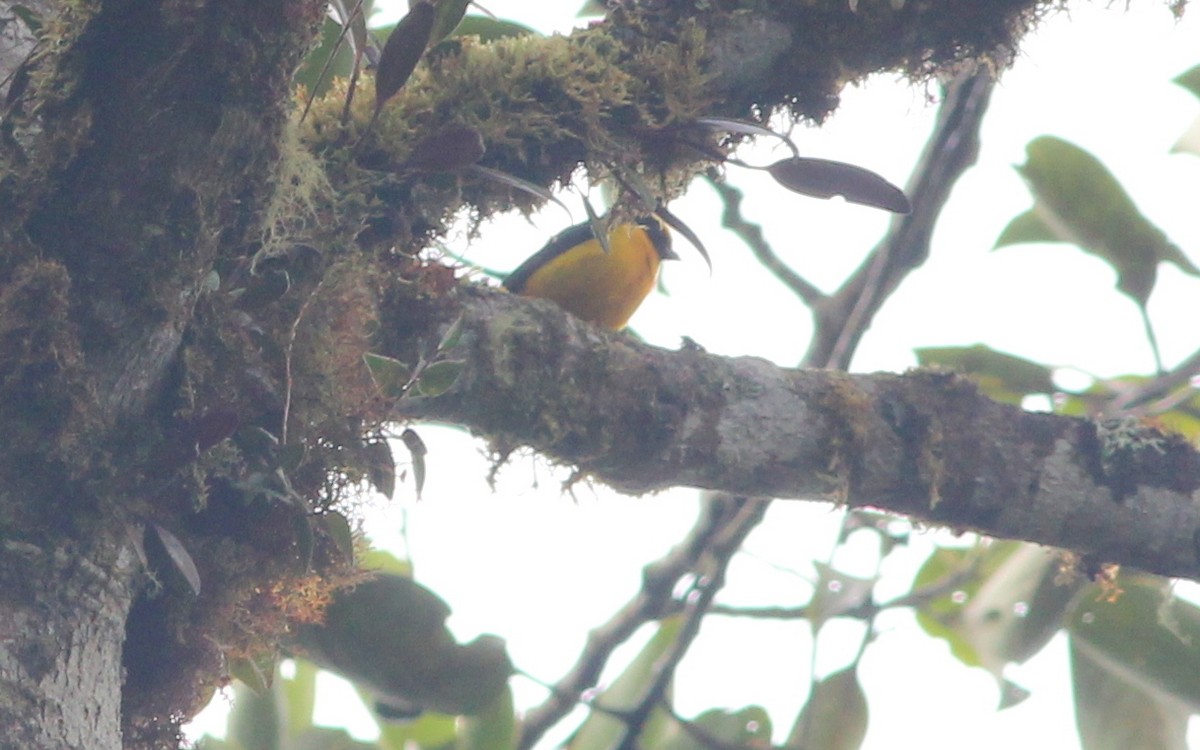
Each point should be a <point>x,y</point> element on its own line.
<point>62,625</point>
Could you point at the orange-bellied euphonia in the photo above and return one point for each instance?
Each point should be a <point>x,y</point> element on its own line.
<point>600,287</point>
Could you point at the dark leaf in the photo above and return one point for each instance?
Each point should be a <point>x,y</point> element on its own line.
<point>416,448</point>
<point>381,467</point>
<point>450,149</point>
<point>821,178</point>
<point>516,182</point>
<point>439,377</point>
<point>179,556</point>
<point>742,127</point>
<point>402,52</point>
<point>678,225</point>
<point>388,635</point>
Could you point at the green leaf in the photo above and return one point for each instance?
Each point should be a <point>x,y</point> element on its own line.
<point>1080,202</point>
<point>1114,714</point>
<point>835,716</point>
<point>601,731</point>
<point>1007,605</point>
<point>493,729</point>
<point>1144,636</point>
<point>592,8</point>
<point>1026,227</point>
<point>1189,142</point>
<point>491,29</point>
<point>1017,608</point>
<point>449,14</point>
<point>439,377</point>
<point>385,562</point>
<point>429,730</point>
<point>836,594</point>
<point>452,336</point>
<point>327,738</point>
<point>1189,80</point>
<point>388,635</point>
<point>748,728</point>
<point>391,376</point>
<point>257,673</point>
<point>254,722</point>
<point>337,527</point>
<point>299,694</point>
<point>1003,377</point>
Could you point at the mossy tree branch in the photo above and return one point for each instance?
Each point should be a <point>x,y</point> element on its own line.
<point>925,444</point>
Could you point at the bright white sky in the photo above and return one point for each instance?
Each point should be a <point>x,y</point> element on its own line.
<point>529,564</point>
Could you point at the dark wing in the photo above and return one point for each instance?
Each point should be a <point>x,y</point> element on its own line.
<point>559,244</point>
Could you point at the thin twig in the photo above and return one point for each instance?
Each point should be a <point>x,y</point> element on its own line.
<point>658,582</point>
<point>751,233</point>
<point>950,151</point>
<point>746,515</point>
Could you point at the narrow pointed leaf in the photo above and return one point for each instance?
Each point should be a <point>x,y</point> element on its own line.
<point>821,178</point>
<point>402,52</point>
<point>678,225</point>
<point>516,182</point>
<point>351,14</point>
<point>742,127</point>
<point>179,556</point>
<point>416,448</point>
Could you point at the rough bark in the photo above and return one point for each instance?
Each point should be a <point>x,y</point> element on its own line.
<point>925,444</point>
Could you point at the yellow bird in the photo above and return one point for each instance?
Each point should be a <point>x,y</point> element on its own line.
<point>600,287</point>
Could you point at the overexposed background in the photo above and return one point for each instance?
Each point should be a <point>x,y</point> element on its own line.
<point>541,568</point>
